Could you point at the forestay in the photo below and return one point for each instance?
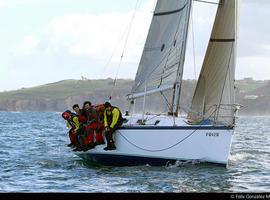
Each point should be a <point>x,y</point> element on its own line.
<point>214,94</point>
<point>164,50</point>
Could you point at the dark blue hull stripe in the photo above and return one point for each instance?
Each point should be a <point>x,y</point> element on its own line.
<point>124,160</point>
<point>177,127</point>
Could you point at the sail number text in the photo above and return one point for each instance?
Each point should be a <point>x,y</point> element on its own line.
<point>212,134</point>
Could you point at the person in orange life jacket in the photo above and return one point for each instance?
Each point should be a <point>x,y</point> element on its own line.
<point>90,124</point>
<point>73,124</point>
<point>112,120</point>
<point>100,125</point>
<point>81,131</point>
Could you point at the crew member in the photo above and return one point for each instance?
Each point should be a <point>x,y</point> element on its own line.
<point>112,120</point>
<point>80,113</point>
<point>100,125</point>
<point>73,124</point>
<point>80,136</point>
<point>90,124</point>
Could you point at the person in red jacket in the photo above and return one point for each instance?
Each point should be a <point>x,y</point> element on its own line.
<point>100,125</point>
<point>91,125</point>
<point>80,113</point>
<point>73,124</point>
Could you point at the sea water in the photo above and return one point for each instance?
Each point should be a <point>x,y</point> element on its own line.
<point>34,157</point>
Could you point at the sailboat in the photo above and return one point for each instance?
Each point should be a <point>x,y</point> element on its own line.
<point>205,133</point>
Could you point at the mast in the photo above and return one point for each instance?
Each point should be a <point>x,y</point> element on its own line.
<point>178,81</point>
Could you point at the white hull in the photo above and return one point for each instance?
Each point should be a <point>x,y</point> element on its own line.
<point>158,144</point>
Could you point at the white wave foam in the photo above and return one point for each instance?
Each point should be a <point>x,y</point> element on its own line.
<point>179,163</point>
<point>238,156</point>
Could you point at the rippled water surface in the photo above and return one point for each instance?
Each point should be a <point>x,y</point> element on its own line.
<point>35,158</point>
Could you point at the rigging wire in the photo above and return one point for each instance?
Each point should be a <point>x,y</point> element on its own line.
<point>113,52</point>
<point>224,83</point>
<point>124,48</point>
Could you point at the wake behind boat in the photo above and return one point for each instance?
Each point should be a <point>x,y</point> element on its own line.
<point>206,133</point>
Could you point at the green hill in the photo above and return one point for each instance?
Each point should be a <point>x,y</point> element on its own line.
<point>59,96</point>
<point>64,89</point>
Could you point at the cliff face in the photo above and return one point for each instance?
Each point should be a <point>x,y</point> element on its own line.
<point>32,105</point>
<point>60,96</point>
<point>44,104</point>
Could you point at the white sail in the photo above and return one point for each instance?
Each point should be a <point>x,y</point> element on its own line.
<point>164,49</point>
<point>214,94</point>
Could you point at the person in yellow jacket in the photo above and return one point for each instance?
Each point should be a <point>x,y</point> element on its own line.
<point>73,124</point>
<point>112,120</point>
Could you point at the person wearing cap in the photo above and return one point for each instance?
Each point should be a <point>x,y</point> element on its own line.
<point>73,124</point>
<point>112,120</point>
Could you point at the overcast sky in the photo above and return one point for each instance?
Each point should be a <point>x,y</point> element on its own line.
<point>44,41</point>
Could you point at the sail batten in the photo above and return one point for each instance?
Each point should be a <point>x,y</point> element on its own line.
<point>222,40</point>
<point>170,12</point>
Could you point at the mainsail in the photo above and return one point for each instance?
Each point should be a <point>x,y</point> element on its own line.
<point>214,94</point>
<point>162,60</point>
